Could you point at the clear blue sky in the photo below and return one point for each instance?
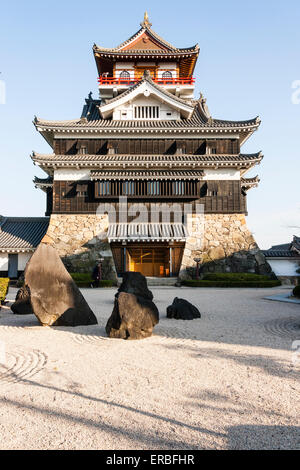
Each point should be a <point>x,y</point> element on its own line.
<point>248,60</point>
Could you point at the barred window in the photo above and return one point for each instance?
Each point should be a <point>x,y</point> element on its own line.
<point>153,188</point>
<point>178,188</point>
<point>167,77</point>
<point>146,112</point>
<point>128,188</point>
<point>83,149</point>
<point>124,74</point>
<point>104,188</point>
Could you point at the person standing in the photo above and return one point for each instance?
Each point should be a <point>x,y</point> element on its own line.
<point>97,274</point>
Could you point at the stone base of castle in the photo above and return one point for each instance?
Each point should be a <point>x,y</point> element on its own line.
<point>222,242</point>
<point>80,240</point>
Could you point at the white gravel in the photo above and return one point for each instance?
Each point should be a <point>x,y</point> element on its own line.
<point>226,381</point>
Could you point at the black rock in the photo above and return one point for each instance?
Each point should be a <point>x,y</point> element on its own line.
<point>22,304</point>
<point>55,298</point>
<point>134,314</point>
<point>181,309</point>
<point>132,317</point>
<point>135,283</point>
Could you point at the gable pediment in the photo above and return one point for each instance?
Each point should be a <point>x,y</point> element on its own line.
<point>145,41</point>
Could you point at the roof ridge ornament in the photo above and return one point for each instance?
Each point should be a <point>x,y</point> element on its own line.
<point>146,23</point>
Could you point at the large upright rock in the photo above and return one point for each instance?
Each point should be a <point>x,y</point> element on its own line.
<point>134,314</point>
<point>54,296</point>
<point>181,309</point>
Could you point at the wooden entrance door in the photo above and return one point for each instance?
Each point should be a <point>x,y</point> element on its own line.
<point>153,262</point>
<point>157,259</point>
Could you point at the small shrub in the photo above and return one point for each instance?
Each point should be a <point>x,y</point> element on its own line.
<point>296,291</point>
<point>82,277</point>
<point>235,277</point>
<point>85,280</point>
<point>228,283</point>
<point>4,285</point>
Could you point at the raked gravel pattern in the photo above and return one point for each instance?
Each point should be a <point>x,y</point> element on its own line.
<point>229,380</point>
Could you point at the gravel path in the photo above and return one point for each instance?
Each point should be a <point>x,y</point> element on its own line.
<point>225,381</point>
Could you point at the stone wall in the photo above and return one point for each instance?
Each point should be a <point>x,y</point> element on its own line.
<point>80,240</point>
<point>224,243</point>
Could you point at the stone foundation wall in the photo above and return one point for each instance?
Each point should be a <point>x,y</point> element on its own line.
<point>224,243</point>
<point>80,240</point>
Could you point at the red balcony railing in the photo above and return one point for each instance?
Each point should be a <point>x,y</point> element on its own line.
<point>159,81</point>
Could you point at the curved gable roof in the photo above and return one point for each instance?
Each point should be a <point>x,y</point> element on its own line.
<point>131,43</point>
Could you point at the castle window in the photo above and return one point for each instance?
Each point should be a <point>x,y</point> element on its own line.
<point>104,188</point>
<point>83,150</point>
<point>153,188</point>
<point>124,74</point>
<point>146,112</point>
<point>178,188</point>
<point>128,188</point>
<point>167,76</point>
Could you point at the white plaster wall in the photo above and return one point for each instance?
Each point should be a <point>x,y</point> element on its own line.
<point>145,64</point>
<point>71,175</point>
<point>284,267</point>
<point>23,258</point>
<point>3,262</point>
<point>222,174</point>
<point>22,261</point>
<point>124,65</point>
<point>128,108</point>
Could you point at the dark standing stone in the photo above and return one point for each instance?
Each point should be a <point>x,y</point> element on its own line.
<point>135,283</point>
<point>181,309</point>
<point>55,298</point>
<point>22,304</point>
<point>134,314</point>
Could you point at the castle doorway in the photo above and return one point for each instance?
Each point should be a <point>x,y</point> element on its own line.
<point>150,259</point>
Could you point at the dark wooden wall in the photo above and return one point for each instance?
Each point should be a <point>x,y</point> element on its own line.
<point>49,201</point>
<point>217,197</point>
<point>147,146</point>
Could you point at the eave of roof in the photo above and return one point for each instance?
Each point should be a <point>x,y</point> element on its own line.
<point>22,233</point>
<point>280,254</point>
<point>114,160</point>
<point>193,124</point>
<point>248,183</point>
<point>121,174</point>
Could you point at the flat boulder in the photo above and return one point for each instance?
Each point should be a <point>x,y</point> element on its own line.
<point>135,314</point>
<point>54,296</point>
<point>22,304</point>
<point>181,309</point>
